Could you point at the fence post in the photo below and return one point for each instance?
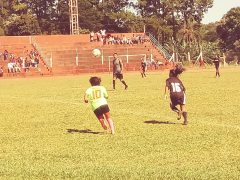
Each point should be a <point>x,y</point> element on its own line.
<point>51,60</point>
<point>76,57</point>
<point>109,64</point>
<point>127,55</point>
<point>224,60</point>
<point>151,55</point>
<point>189,57</point>
<point>30,39</point>
<point>102,57</point>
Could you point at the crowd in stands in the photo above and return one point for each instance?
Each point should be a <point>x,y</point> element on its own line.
<point>108,38</point>
<point>152,63</point>
<point>17,64</point>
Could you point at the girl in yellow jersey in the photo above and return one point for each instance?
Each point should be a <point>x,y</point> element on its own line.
<point>97,96</point>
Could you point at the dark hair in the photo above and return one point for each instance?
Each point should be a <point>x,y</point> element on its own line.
<point>172,73</point>
<point>178,69</point>
<point>95,81</point>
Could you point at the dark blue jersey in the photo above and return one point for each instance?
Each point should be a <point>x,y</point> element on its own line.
<point>175,86</point>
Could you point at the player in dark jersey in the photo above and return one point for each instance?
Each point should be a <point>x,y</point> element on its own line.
<point>216,62</point>
<point>118,70</point>
<point>177,92</point>
<point>143,68</point>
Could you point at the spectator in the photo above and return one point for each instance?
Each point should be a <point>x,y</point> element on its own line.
<point>98,36</point>
<point>1,72</point>
<point>10,66</point>
<point>5,55</point>
<point>91,36</point>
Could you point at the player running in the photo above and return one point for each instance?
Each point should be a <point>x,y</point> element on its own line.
<point>118,70</point>
<point>177,92</point>
<point>216,62</point>
<point>97,96</point>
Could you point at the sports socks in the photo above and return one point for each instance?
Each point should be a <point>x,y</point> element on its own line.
<point>126,86</point>
<point>114,84</point>
<point>185,118</point>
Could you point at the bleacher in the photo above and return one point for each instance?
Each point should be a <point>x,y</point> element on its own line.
<point>71,54</point>
<point>19,47</point>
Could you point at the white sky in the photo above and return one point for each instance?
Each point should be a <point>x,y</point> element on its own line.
<point>220,7</point>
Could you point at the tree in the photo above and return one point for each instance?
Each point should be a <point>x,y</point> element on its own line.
<point>229,30</point>
<point>62,17</point>
<point>209,32</point>
<point>45,11</point>
<point>24,25</point>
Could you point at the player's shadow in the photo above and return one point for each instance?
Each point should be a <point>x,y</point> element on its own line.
<point>84,131</point>
<point>158,122</point>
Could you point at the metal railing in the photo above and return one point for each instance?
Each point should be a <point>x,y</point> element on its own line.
<point>47,60</point>
<point>165,53</point>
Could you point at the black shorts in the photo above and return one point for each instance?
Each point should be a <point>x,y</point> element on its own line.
<point>118,75</point>
<point>101,110</point>
<point>178,100</point>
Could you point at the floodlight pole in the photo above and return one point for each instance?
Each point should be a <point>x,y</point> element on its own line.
<point>73,11</point>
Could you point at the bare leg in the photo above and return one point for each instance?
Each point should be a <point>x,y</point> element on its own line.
<point>110,122</point>
<point>101,120</point>
<point>124,83</point>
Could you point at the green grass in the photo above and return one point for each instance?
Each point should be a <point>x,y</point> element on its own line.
<point>38,113</point>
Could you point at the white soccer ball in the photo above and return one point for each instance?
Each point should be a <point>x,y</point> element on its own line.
<point>96,52</point>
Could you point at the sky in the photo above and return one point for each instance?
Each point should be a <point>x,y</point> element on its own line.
<point>220,7</point>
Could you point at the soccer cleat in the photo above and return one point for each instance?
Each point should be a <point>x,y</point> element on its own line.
<point>184,123</point>
<point>126,87</point>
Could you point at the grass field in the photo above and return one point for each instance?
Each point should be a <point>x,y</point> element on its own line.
<point>47,132</point>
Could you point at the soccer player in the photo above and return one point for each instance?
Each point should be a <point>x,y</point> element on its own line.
<point>216,62</point>
<point>97,96</point>
<point>177,92</point>
<point>143,68</point>
<point>118,70</point>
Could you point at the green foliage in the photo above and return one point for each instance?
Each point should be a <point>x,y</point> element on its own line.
<point>44,124</point>
<point>90,17</point>
<point>211,49</point>
<point>23,25</point>
<point>229,30</point>
<point>62,17</point>
<point>209,33</point>
<point>1,32</point>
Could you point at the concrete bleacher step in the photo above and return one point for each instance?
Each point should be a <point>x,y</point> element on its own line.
<point>64,54</point>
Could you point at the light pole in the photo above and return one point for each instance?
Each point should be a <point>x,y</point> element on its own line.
<point>73,11</point>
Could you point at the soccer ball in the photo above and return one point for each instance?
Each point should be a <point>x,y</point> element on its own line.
<point>96,53</point>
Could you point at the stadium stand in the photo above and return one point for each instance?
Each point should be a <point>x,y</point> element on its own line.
<point>71,54</point>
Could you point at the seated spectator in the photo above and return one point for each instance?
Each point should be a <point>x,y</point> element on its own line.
<point>17,67</point>
<point>110,40</point>
<point>5,55</point>
<point>103,33</point>
<point>36,62</point>
<point>159,63</point>
<point>124,40</point>
<point>129,41</point>
<point>91,36</point>
<point>10,66</point>
<point>98,36</point>
<point>1,72</point>
<point>134,39</point>
<point>153,63</point>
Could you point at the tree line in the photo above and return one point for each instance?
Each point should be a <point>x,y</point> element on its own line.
<point>177,24</point>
